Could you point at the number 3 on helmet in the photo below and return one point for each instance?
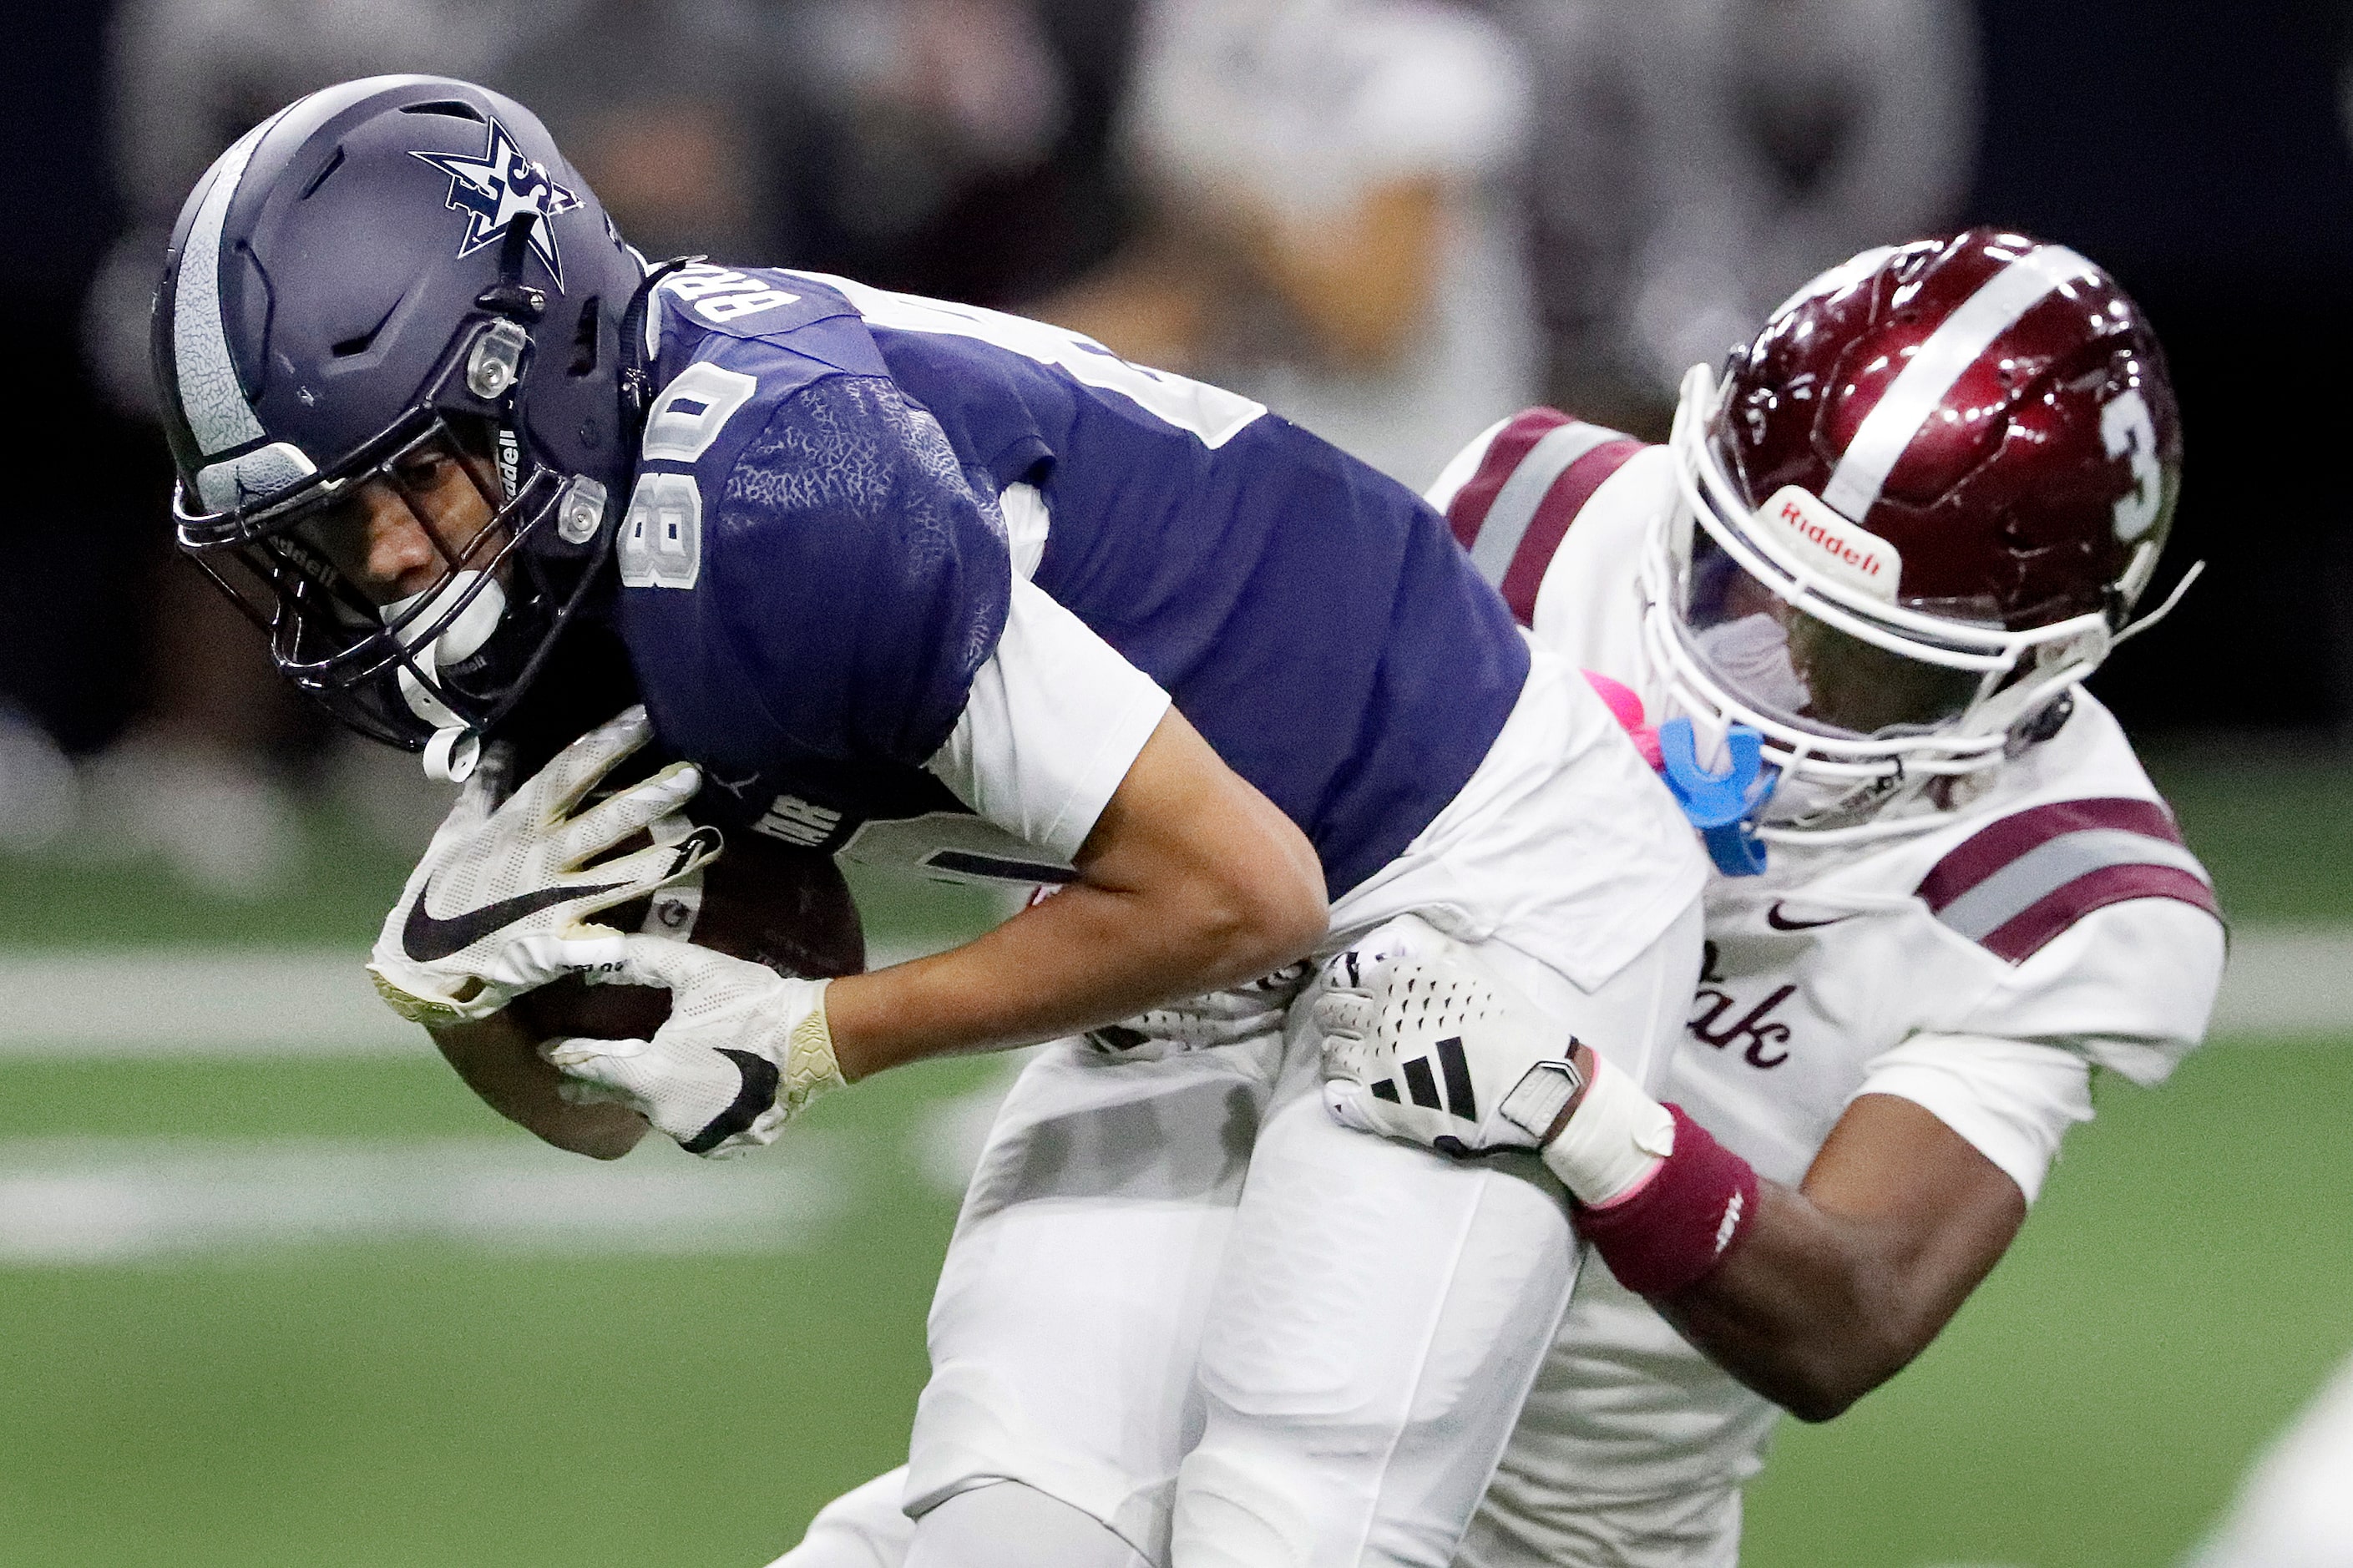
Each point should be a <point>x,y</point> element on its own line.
<point>1916,511</point>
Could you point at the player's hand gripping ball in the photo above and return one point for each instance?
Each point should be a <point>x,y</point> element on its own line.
<point>711,1022</point>
<point>500,902</point>
<point>742,1051</point>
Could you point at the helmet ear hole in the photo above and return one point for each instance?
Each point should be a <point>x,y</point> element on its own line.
<point>585,334</point>
<point>449,108</point>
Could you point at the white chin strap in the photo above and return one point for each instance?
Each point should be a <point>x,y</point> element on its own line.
<point>463,638</point>
<point>451,756</point>
<point>455,749</point>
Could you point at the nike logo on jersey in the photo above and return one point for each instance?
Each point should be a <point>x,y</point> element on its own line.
<point>1779,921</point>
<point>426,937</point>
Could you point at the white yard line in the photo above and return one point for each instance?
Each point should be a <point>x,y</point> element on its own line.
<point>108,1200</point>
<point>175,1001</point>
<point>2287,980</point>
<point>98,1200</point>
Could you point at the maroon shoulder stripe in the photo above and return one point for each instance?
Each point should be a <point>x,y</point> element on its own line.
<point>1559,508</point>
<point>2017,883</point>
<point>2023,935</point>
<point>1991,847</point>
<point>1468,510</point>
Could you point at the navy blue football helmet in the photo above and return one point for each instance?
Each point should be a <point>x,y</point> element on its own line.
<point>378,267</point>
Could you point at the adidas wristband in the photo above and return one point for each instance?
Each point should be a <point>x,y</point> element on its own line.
<point>1672,1230</point>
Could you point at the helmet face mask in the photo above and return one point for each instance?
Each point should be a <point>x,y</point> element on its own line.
<point>456,654</point>
<point>1980,569</point>
<point>1844,685</point>
<point>392,268</point>
<point>1792,664</point>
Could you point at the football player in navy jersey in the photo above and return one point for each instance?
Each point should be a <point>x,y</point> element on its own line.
<point>896,578</point>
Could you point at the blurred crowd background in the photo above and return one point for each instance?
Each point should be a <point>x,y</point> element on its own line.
<point>1393,220</point>
<point>349,1330</point>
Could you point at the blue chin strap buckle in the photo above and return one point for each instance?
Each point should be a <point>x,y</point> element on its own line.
<point>1723,806</point>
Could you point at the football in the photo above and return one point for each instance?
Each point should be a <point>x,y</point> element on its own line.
<point>762,900</point>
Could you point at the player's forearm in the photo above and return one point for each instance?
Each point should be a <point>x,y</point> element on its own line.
<point>1085,957</point>
<point>1812,1310</point>
<point>1191,880</point>
<point>1839,1285</point>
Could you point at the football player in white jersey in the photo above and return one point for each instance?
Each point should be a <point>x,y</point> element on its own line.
<point>1915,514</point>
<point>1890,543</point>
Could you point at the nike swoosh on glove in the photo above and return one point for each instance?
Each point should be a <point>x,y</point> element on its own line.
<point>498,905</point>
<point>1421,1043</point>
<point>1246,1011</point>
<point>744,1050</point>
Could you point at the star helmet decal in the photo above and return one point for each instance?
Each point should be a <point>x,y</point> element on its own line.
<point>496,188</point>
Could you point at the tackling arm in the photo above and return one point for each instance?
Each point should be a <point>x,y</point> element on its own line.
<point>1812,1296</point>
<point>1841,1281</point>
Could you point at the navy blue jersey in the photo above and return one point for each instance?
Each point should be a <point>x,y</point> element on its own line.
<point>814,564</point>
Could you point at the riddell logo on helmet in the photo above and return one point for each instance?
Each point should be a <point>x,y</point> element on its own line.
<point>1854,556</point>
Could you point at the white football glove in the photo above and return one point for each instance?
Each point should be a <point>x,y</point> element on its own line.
<point>496,907</point>
<point>744,1049</point>
<point>1421,1043</point>
<point>1245,1012</point>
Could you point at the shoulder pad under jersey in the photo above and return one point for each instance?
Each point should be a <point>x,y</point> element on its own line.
<point>2018,881</point>
<point>810,578</point>
<point>1511,496</point>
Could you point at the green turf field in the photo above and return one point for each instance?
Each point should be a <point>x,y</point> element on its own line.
<point>459,1397</point>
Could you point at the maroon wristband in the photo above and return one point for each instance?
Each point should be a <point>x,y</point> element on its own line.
<point>1680,1225</point>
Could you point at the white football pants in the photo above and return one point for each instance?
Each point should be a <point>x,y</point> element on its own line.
<point>1697,1529</point>
<point>868,1529</point>
<point>1185,1301</point>
<point>1002,1525</point>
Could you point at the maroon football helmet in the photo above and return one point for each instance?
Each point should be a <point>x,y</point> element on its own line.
<point>1927,497</point>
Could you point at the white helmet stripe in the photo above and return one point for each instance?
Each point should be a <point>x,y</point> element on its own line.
<point>1888,430</point>
<point>213,402</point>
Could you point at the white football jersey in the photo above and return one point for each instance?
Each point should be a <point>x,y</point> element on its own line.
<point>1979,967</point>
<point>1306,110</point>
